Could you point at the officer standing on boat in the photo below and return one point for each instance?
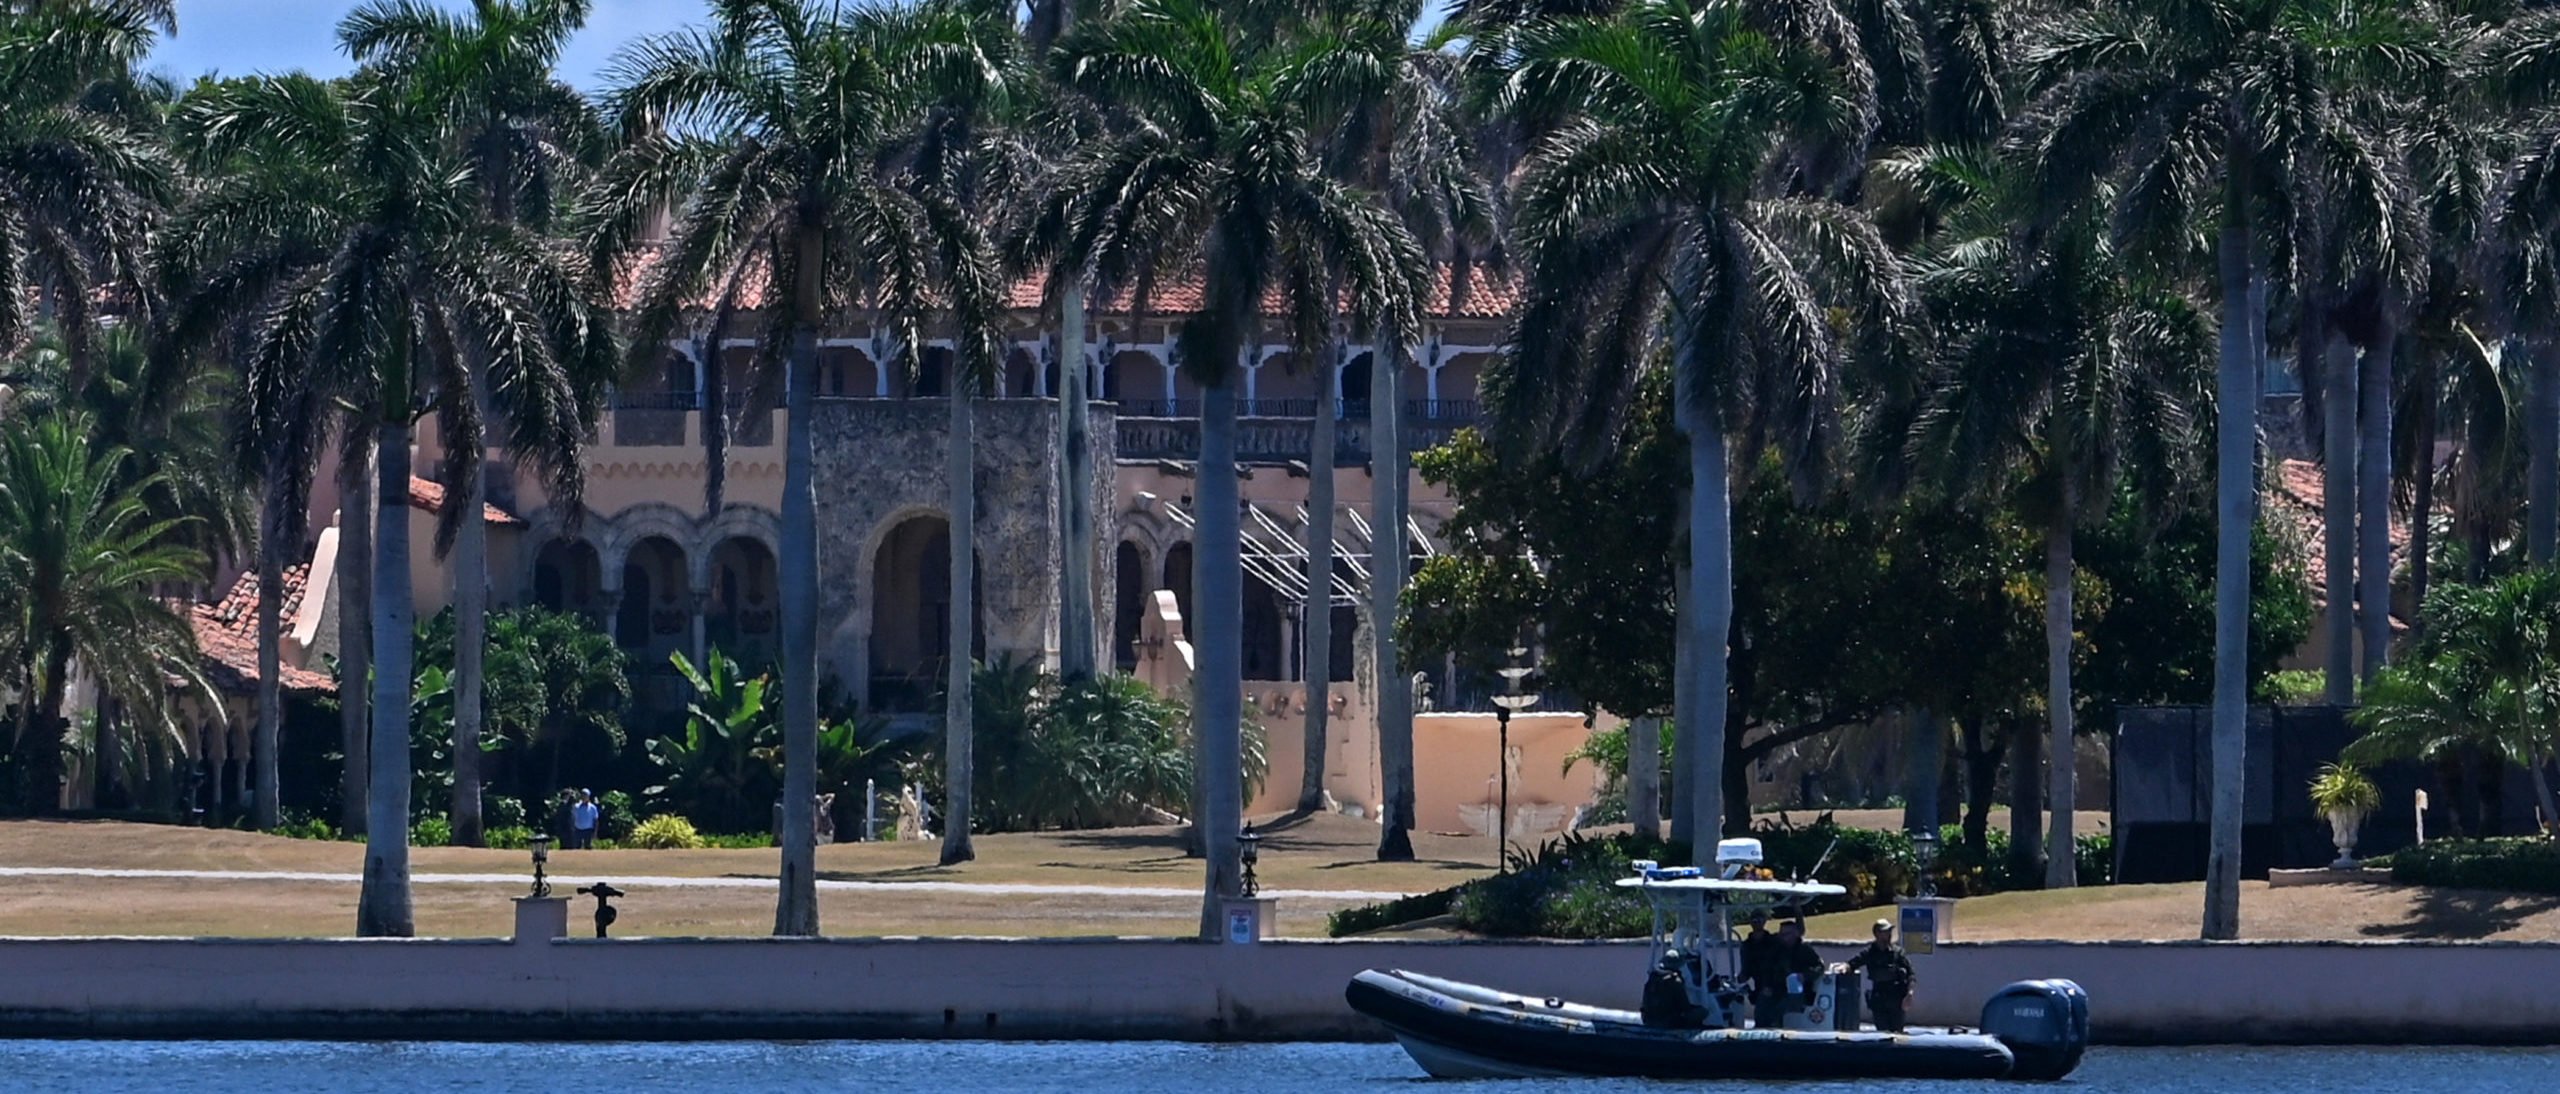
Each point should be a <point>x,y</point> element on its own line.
<point>1889,977</point>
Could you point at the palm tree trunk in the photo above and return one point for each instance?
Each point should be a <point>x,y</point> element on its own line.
<point>1644,777</point>
<point>1923,758</point>
<point>2542,791</point>
<point>383,908</point>
<point>1386,587</point>
<point>354,578</point>
<point>266,813</point>
<point>2061,871</point>
<point>1317,631</point>
<point>1706,616</point>
<point>41,731</point>
<point>2542,471</point>
<point>796,910</point>
<point>1684,696</point>
<point>2026,804</point>
<point>2235,505</point>
<point>2373,504</point>
<point>2422,504</point>
<point>1077,659</point>
<point>959,721</point>
<point>1217,601</point>
<point>2338,512</point>
<point>470,639</point>
<point>1981,777</point>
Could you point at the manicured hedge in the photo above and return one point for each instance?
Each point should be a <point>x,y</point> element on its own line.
<point>2521,865</point>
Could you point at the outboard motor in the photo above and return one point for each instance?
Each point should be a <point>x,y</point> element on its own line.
<point>2045,1024</point>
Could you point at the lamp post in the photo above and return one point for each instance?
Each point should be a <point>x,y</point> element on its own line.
<point>540,842</point>
<point>1512,699</point>
<point>1248,854</point>
<point>1924,854</point>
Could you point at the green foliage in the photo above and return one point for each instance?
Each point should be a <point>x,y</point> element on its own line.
<point>2343,788</point>
<point>1096,753</point>
<point>1393,913</point>
<point>725,769</point>
<point>2296,687</point>
<point>301,827</point>
<point>2486,674</point>
<point>2520,865</point>
<point>500,811</point>
<point>432,830</point>
<point>554,690</point>
<point>615,815</point>
<point>664,832</point>
<point>513,837</point>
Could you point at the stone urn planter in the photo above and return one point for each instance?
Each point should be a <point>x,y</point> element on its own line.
<point>2345,796</point>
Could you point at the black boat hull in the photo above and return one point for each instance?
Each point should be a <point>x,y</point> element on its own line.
<point>1458,1030</point>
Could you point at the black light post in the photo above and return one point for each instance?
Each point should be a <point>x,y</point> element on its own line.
<point>1924,854</point>
<point>1249,853</point>
<point>541,845</point>
<point>1512,699</point>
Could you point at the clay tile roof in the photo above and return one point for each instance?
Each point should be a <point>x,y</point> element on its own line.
<point>1490,295</point>
<point>2293,501</point>
<point>227,636</point>
<point>428,494</point>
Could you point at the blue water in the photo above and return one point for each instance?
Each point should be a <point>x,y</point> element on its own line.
<point>113,1067</point>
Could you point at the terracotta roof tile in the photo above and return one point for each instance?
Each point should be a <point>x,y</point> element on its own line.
<point>1490,295</point>
<point>428,494</point>
<point>2294,498</point>
<point>227,636</point>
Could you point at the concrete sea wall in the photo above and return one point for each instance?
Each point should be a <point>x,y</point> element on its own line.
<point>1148,988</point>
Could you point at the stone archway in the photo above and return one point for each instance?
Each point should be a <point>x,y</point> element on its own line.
<point>742,610</point>
<point>568,576</point>
<point>653,618</point>
<point>911,613</point>
<point>1177,578</point>
<point>1128,602</point>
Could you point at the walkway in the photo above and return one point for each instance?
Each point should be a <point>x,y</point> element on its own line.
<point>566,881</point>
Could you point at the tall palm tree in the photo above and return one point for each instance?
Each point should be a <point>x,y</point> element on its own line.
<point>2061,370</point>
<point>768,131</point>
<point>80,186</point>
<point>1215,167</point>
<point>2486,676</point>
<point>86,556</point>
<point>2199,110</point>
<point>2513,63</point>
<point>1651,205</point>
<point>522,129</point>
<point>338,250</point>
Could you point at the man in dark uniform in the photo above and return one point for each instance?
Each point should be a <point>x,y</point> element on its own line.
<point>1889,977</point>
<point>1759,957</point>
<point>1787,955</point>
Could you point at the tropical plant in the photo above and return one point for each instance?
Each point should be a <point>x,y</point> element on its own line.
<point>664,832</point>
<point>2343,788</point>
<point>1649,205</point>
<point>1216,168</point>
<point>1101,752</point>
<point>728,764</point>
<point>556,691</point>
<point>2199,112</point>
<point>520,129</point>
<point>2486,675</point>
<point>85,559</point>
<point>2115,367</point>
<point>338,251</point>
<point>775,136</point>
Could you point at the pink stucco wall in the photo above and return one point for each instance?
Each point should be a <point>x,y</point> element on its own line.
<point>1100,988</point>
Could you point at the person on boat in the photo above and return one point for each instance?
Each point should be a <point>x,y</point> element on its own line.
<point>1788,958</point>
<point>1759,954</point>
<point>1889,977</point>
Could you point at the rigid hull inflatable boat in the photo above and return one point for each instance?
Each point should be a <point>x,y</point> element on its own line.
<point>2030,1030</point>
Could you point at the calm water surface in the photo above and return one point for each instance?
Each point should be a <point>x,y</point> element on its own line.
<point>1088,1068</point>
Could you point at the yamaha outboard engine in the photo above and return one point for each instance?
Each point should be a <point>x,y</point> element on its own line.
<point>2045,1024</point>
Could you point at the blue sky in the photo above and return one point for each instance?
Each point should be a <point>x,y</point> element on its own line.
<point>235,37</point>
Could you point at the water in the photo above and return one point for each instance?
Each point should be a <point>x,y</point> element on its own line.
<point>95,1067</point>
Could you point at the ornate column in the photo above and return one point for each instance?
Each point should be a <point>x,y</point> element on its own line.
<point>696,600</point>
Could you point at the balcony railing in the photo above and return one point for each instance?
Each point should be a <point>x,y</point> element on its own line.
<point>659,419</point>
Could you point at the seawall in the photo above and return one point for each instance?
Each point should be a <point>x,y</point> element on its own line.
<point>2142,993</point>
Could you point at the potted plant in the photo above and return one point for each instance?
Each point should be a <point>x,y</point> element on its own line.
<point>2344,795</point>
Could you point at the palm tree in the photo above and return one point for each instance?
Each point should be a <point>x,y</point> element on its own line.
<point>86,555</point>
<point>771,130</point>
<point>80,185</point>
<point>2511,63</point>
<point>1216,167</point>
<point>2062,370</point>
<point>339,247</point>
<point>1650,204</point>
<point>2198,109</point>
<point>2486,676</point>
<point>520,127</point>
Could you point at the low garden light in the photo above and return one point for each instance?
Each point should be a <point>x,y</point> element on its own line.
<point>540,842</point>
<point>1924,855</point>
<point>1249,854</point>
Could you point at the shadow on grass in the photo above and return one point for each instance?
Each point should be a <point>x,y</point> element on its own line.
<point>2467,915</point>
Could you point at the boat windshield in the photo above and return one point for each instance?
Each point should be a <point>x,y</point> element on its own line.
<point>1695,914</point>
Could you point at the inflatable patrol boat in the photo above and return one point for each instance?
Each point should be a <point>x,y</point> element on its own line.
<point>2034,1029</point>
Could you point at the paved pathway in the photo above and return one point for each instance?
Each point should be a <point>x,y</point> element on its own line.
<point>729,882</point>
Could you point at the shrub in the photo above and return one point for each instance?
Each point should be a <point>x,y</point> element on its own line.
<point>500,811</point>
<point>1394,913</point>
<point>301,827</point>
<point>615,815</point>
<point>432,830</point>
<point>2520,865</point>
<point>2097,858</point>
<point>743,841</point>
<point>664,832</point>
<point>514,837</point>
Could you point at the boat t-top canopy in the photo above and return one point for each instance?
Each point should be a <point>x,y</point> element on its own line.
<point>1734,887</point>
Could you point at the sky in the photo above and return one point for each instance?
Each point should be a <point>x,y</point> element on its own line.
<point>238,37</point>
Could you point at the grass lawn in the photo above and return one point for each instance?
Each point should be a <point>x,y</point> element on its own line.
<point>2359,912</point>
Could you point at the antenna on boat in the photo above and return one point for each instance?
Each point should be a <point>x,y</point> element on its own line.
<point>1826,857</point>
